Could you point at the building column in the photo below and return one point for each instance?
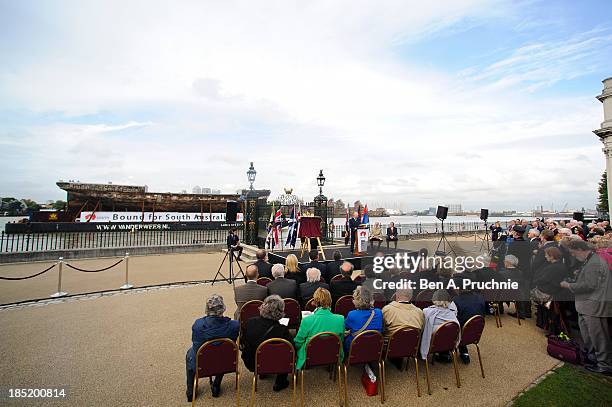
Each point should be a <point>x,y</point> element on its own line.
<point>320,209</point>
<point>605,134</point>
<point>250,219</point>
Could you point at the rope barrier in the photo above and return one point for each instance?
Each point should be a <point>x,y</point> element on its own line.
<point>93,271</point>
<point>28,277</point>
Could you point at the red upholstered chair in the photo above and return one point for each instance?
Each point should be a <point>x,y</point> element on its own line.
<point>264,281</point>
<point>471,333</point>
<point>293,312</point>
<point>336,278</point>
<point>423,299</point>
<point>323,349</point>
<point>360,279</point>
<point>379,300</point>
<point>444,339</point>
<point>344,305</point>
<point>367,347</point>
<point>492,298</point>
<point>274,356</point>
<point>310,305</point>
<point>215,357</point>
<point>404,343</point>
<point>322,280</point>
<point>249,310</point>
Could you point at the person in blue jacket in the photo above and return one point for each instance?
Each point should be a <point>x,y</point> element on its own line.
<point>363,318</point>
<point>213,326</point>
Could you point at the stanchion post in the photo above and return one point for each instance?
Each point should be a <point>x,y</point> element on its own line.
<point>127,284</point>
<point>59,292</point>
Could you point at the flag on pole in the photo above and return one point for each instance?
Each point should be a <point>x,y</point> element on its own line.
<point>278,221</point>
<point>269,240</point>
<point>365,219</point>
<point>296,231</point>
<point>292,227</point>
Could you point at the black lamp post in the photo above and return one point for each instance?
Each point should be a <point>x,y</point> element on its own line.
<point>320,202</point>
<point>250,224</point>
<point>251,173</point>
<point>321,182</point>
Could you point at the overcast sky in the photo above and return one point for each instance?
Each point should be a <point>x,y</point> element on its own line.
<point>484,103</point>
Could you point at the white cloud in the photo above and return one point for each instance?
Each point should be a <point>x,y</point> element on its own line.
<point>294,87</point>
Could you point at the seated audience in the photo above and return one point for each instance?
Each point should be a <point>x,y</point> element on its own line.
<point>593,290</point>
<point>261,328</point>
<point>369,276</point>
<point>250,290</point>
<point>323,320</point>
<point>293,271</point>
<point>281,286</point>
<point>345,285</point>
<point>213,326</point>
<point>469,303</point>
<point>442,310</point>
<point>314,262</point>
<point>392,235</point>
<point>363,318</point>
<point>263,267</point>
<point>307,289</point>
<point>399,313</point>
<point>376,235</point>
<point>333,267</point>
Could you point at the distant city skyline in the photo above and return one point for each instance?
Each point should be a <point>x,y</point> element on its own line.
<point>487,103</point>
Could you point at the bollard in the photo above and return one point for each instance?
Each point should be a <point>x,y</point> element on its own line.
<point>127,284</point>
<point>59,292</point>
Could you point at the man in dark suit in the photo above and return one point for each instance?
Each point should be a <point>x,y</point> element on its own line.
<point>392,235</point>
<point>333,267</point>
<point>263,267</point>
<point>249,291</point>
<point>313,281</point>
<point>345,285</point>
<point>314,262</point>
<point>353,225</point>
<point>233,243</point>
<point>282,286</point>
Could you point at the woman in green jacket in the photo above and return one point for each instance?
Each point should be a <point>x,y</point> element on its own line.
<point>323,320</point>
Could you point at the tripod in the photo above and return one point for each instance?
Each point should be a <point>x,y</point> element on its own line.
<point>232,275</point>
<point>444,241</point>
<point>486,239</point>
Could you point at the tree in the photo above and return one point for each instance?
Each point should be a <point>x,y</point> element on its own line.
<point>602,206</point>
<point>59,205</point>
<point>30,204</point>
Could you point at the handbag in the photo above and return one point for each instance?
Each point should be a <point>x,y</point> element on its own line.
<point>540,296</point>
<point>369,382</point>
<point>565,350</point>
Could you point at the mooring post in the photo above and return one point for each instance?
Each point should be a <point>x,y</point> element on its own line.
<point>59,292</point>
<point>127,284</point>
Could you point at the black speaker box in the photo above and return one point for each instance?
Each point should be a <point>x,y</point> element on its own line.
<point>442,212</point>
<point>484,214</point>
<point>231,211</point>
<point>579,216</point>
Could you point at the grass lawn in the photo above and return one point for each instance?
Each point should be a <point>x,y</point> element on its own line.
<point>569,386</point>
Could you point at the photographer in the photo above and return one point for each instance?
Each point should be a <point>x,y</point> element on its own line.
<point>233,243</point>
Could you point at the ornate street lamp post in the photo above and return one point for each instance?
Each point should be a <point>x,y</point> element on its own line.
<point>251,173</point>
<point>320,202</point>
<point>250,219</point>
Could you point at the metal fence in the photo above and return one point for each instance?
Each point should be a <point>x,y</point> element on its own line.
<point>38,242</point>
<point>419,230</point>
